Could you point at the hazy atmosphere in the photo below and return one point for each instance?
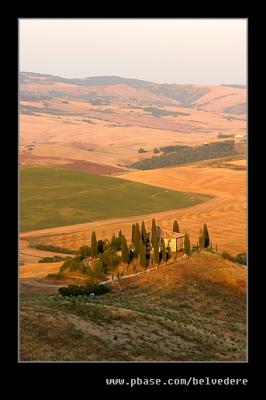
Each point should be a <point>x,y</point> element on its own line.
<point>200,51</point>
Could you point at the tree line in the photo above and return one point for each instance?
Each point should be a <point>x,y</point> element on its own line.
<point>176,155</point>
<point>144,249</point>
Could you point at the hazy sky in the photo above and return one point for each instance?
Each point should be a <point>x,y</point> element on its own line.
<point>211,51</point>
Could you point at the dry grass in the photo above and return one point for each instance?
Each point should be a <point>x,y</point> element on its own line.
<point>190,311</point>
<point>39,270</point>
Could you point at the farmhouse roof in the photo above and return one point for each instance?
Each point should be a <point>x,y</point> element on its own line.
<point>165,233</point>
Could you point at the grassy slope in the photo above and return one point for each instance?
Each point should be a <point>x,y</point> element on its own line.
<point>52,197</point>
<point>191,311</point>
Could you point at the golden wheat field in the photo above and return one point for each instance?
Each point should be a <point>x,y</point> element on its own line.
<point>225,214</point>
<point>37,270</point>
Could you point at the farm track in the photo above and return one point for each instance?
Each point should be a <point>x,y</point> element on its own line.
<point>33,282</point>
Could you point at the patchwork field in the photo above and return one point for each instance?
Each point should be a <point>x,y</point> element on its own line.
<point>225,213</point>
<point>56,197</point>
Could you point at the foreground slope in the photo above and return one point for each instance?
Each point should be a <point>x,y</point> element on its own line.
<point>194,310</point>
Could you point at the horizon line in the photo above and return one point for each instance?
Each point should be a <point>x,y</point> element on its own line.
<point>130,78</point>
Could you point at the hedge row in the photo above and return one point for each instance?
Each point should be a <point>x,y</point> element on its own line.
<point>50,247</point>
<point>51,259</point>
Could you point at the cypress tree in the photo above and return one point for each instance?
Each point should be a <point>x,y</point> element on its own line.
<point>176,227</point>
<point>169,252</point>
<point>94,245</point>
<point>125,253</point>
<point>187,244</point>
<point>120,234</point>
<point>100,246</point>
<point>137,238</point>
<point>133,233</point>
<point>147,250</point>
<point>143,232</point>
<point>205,237</point>
<point>156,251</point>
<point>153,232</point>
<point>163,251</point>
<point>201,239</point>
<point>142,254</point>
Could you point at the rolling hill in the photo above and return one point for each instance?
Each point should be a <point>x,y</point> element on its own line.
<point>105,120</point>
<point>106,88</point>
<point>194,310</point>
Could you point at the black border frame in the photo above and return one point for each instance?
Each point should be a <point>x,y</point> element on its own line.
<point>93,375</point>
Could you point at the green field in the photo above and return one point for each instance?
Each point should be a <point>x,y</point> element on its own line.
<point>52,197</point>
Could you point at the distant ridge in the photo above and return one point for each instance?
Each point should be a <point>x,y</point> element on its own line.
<point>114,80</point>
<point>236,86</point>
<point>109,80</point>
<point>105,89</point>
<point>87,81</point>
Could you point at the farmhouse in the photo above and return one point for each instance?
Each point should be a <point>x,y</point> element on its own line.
<point>172,240</point>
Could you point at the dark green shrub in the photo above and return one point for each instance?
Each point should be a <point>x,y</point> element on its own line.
<point>99,270</point>
<point>241,258</point>
<point>100,246</point>
<point>49,247</point>
<point>84,251</point>
<point>227,256</point>
<point>74,290</point>
<point>84,269</point>
<point>71,264</point>
<point>110,260</point>
<point>51,259</point>
<point>141,150</point>
<point>116,243</point>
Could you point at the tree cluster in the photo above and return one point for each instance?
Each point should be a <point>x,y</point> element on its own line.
<point>176,155</point>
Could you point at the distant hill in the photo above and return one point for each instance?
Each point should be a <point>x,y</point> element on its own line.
<point>29,77</point>
<point>116,116</point>
<point>189,96</point>
<point>237,86</point>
